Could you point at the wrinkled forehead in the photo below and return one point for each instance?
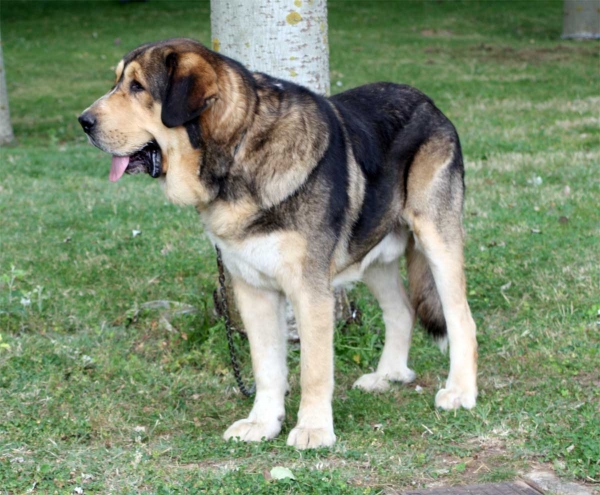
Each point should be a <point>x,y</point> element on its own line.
<point>151,56</point>
<point>145,66</point>
<point>130,70</point>
<point>139,55</point>
<point>148,62</point>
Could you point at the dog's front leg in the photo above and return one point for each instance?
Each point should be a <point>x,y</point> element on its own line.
<point>314,310</point>
<point>263,314</point>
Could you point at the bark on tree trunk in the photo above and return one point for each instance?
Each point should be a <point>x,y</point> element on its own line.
<point>6,132</point>
<point>581,19</point>
<point>282,38</point>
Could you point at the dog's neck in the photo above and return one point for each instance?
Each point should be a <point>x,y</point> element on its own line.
<point>249,160</point>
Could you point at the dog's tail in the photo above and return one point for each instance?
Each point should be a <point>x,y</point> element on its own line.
<point>424,295</point>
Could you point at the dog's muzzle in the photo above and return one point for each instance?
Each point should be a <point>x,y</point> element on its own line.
<point>148,159</point>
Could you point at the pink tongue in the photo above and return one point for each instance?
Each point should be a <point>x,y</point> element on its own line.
<point>117,167</point>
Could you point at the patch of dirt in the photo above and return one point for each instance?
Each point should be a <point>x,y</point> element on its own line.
<point>533,55</point>
<point>588,380</point>
<point>444,33</point>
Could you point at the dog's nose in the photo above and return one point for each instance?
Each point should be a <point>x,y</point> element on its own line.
<point>87,121</point>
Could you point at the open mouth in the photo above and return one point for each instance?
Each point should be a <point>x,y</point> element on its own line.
<point>148,160</point>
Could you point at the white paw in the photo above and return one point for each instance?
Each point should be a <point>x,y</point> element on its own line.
<point>311,438</point>
<point>380,382</point>
<point>453,398</point>
<point>247,430</point>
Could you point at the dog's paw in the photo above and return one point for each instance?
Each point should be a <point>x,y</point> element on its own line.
<point>247,430</point>
<point>311,438</point>
<point>372,382</point>
<point>453,398</point>
<point>380,382</point>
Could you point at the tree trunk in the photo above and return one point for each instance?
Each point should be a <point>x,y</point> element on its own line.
<point>6,132</point>
<point>581,19</point>
<point>282,38</point>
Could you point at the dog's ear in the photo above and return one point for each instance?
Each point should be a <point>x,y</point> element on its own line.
<point>191,84</point>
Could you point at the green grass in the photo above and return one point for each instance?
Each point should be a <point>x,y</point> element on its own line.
<point>97,392</point>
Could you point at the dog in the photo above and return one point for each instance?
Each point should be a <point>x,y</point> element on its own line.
<point>303,193</point>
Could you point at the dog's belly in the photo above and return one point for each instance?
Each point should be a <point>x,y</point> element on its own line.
<point>390,248</point>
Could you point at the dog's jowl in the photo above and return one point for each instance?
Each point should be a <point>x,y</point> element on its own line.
<point>303,193</point>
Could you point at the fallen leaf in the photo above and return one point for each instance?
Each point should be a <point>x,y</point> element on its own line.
<point>281,473</point>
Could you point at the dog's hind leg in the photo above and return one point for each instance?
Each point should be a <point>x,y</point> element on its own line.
<point>433,212</point>
<point>384,281</point>
<point>445,259</point>
<point>263,314</point>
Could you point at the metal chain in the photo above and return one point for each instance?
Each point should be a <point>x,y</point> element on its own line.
<point>222,307</point>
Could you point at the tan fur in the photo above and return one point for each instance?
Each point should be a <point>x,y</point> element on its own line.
<point>297,141</point>
<point>119,70</point>
<point>315,416</point>
<point>227,219</point>
<point>429,163</point>
<point>118,111</point>
<point>445,257</point>
<point>232,109</point>
<point>264,314</point>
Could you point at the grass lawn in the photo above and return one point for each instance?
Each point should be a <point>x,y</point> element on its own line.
<point>99,393</point>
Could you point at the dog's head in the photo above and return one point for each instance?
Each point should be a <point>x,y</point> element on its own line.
<point>160,89</point>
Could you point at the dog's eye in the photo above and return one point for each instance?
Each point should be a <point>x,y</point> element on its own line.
<point>136,87</point>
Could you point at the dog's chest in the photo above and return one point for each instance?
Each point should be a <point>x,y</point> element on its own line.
<point>256,260</point>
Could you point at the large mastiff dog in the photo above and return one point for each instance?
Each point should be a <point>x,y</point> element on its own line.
<point>302,193</point>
